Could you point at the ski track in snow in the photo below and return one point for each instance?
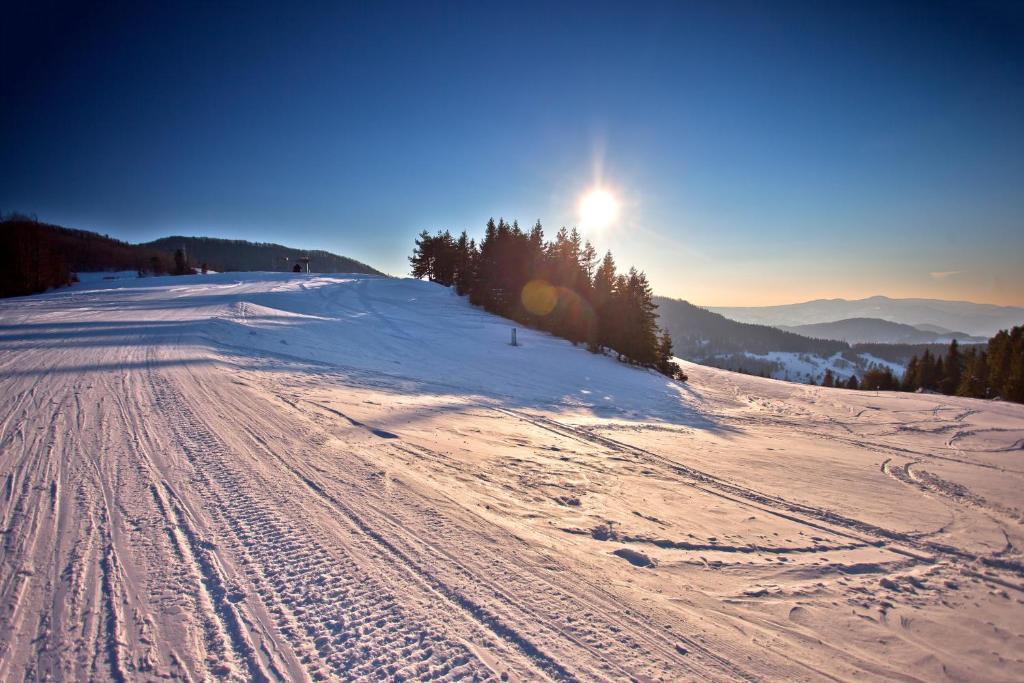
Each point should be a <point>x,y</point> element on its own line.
<point>280,477</point>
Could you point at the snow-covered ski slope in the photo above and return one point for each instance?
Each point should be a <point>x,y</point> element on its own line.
<point>290,477</point>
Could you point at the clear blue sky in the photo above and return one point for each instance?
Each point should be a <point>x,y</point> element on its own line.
<point>763,152</point>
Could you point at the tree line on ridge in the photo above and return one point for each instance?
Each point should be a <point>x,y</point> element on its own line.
<point>560,286</point>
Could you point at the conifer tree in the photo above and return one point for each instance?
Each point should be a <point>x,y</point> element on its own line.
<point>974,379</point>
<point>1013,384</point>
<point>950,381</point>
<point>602,292</point>
<point>640,340</point>
<point>666,365</point>
<point>535,256</point>
<point>422,257</point>
<point>180,265</point>
<point>926,377</point>
<point>1006,364</point>
<point>910,375</point>
<point>588,260</point>
<point>464,265</point>
<point>481,293</point>
<point>445,259</point>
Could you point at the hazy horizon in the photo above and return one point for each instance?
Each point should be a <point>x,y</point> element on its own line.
<point>756,156</point>
<point>298,244</point>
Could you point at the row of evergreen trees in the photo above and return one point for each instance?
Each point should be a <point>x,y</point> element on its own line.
<point>874,379</point>
<point>35,257</point>
<point>997,370</point>
<point>978,372</point>
<point>830,380</point>
<point>560,286</point>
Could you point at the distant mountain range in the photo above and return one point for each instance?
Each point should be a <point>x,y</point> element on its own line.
<point>696,331</point>
<point>703,336</point>
<point>224,255</point>
<point>982,320</point>
<point>874,330</point>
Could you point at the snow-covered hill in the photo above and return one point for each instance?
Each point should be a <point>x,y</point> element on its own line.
<point>287,477</point>
<point>810,367</point>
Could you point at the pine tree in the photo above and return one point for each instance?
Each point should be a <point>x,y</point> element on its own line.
<point>422,257</point>
<point>910,375</point>
<point>588,260</point>
<point>482,292</point>
<point>535,255</point>
<point>974,379</point>
<point>640,327</point>
<point>180,265</point>
<point>445,259</point>
<point>575,259</point>
<point>829,379</point>
<point>464,248</point>
<point>926,377</point>
<point>952,367</point>
<point>602,291</point>
<point>852,382</point>
<point>1013,385</point>
<point>665,364</point>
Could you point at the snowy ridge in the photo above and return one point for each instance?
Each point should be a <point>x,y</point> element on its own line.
<point>259,476</point>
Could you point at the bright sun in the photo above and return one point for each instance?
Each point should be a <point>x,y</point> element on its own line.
<point>598,209</point>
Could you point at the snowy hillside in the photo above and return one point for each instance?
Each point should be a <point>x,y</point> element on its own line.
<point>264,476</point>
<point>810,367</point>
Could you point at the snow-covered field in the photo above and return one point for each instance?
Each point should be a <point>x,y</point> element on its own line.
<point>290,477</point>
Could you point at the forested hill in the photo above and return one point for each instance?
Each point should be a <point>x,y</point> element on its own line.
<point>696,331</point>
<point>37,256</point>
<point>225,255</point>
<point>875,330</point>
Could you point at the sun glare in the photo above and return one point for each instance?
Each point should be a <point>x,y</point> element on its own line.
<point>598,209</point>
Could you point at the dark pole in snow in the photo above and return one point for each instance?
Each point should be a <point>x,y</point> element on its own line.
<point>514,337</point>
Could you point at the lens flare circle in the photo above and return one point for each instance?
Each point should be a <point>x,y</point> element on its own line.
<point>539,297</point>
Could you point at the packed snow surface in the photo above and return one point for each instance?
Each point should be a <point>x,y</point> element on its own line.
<point>294,477</point>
